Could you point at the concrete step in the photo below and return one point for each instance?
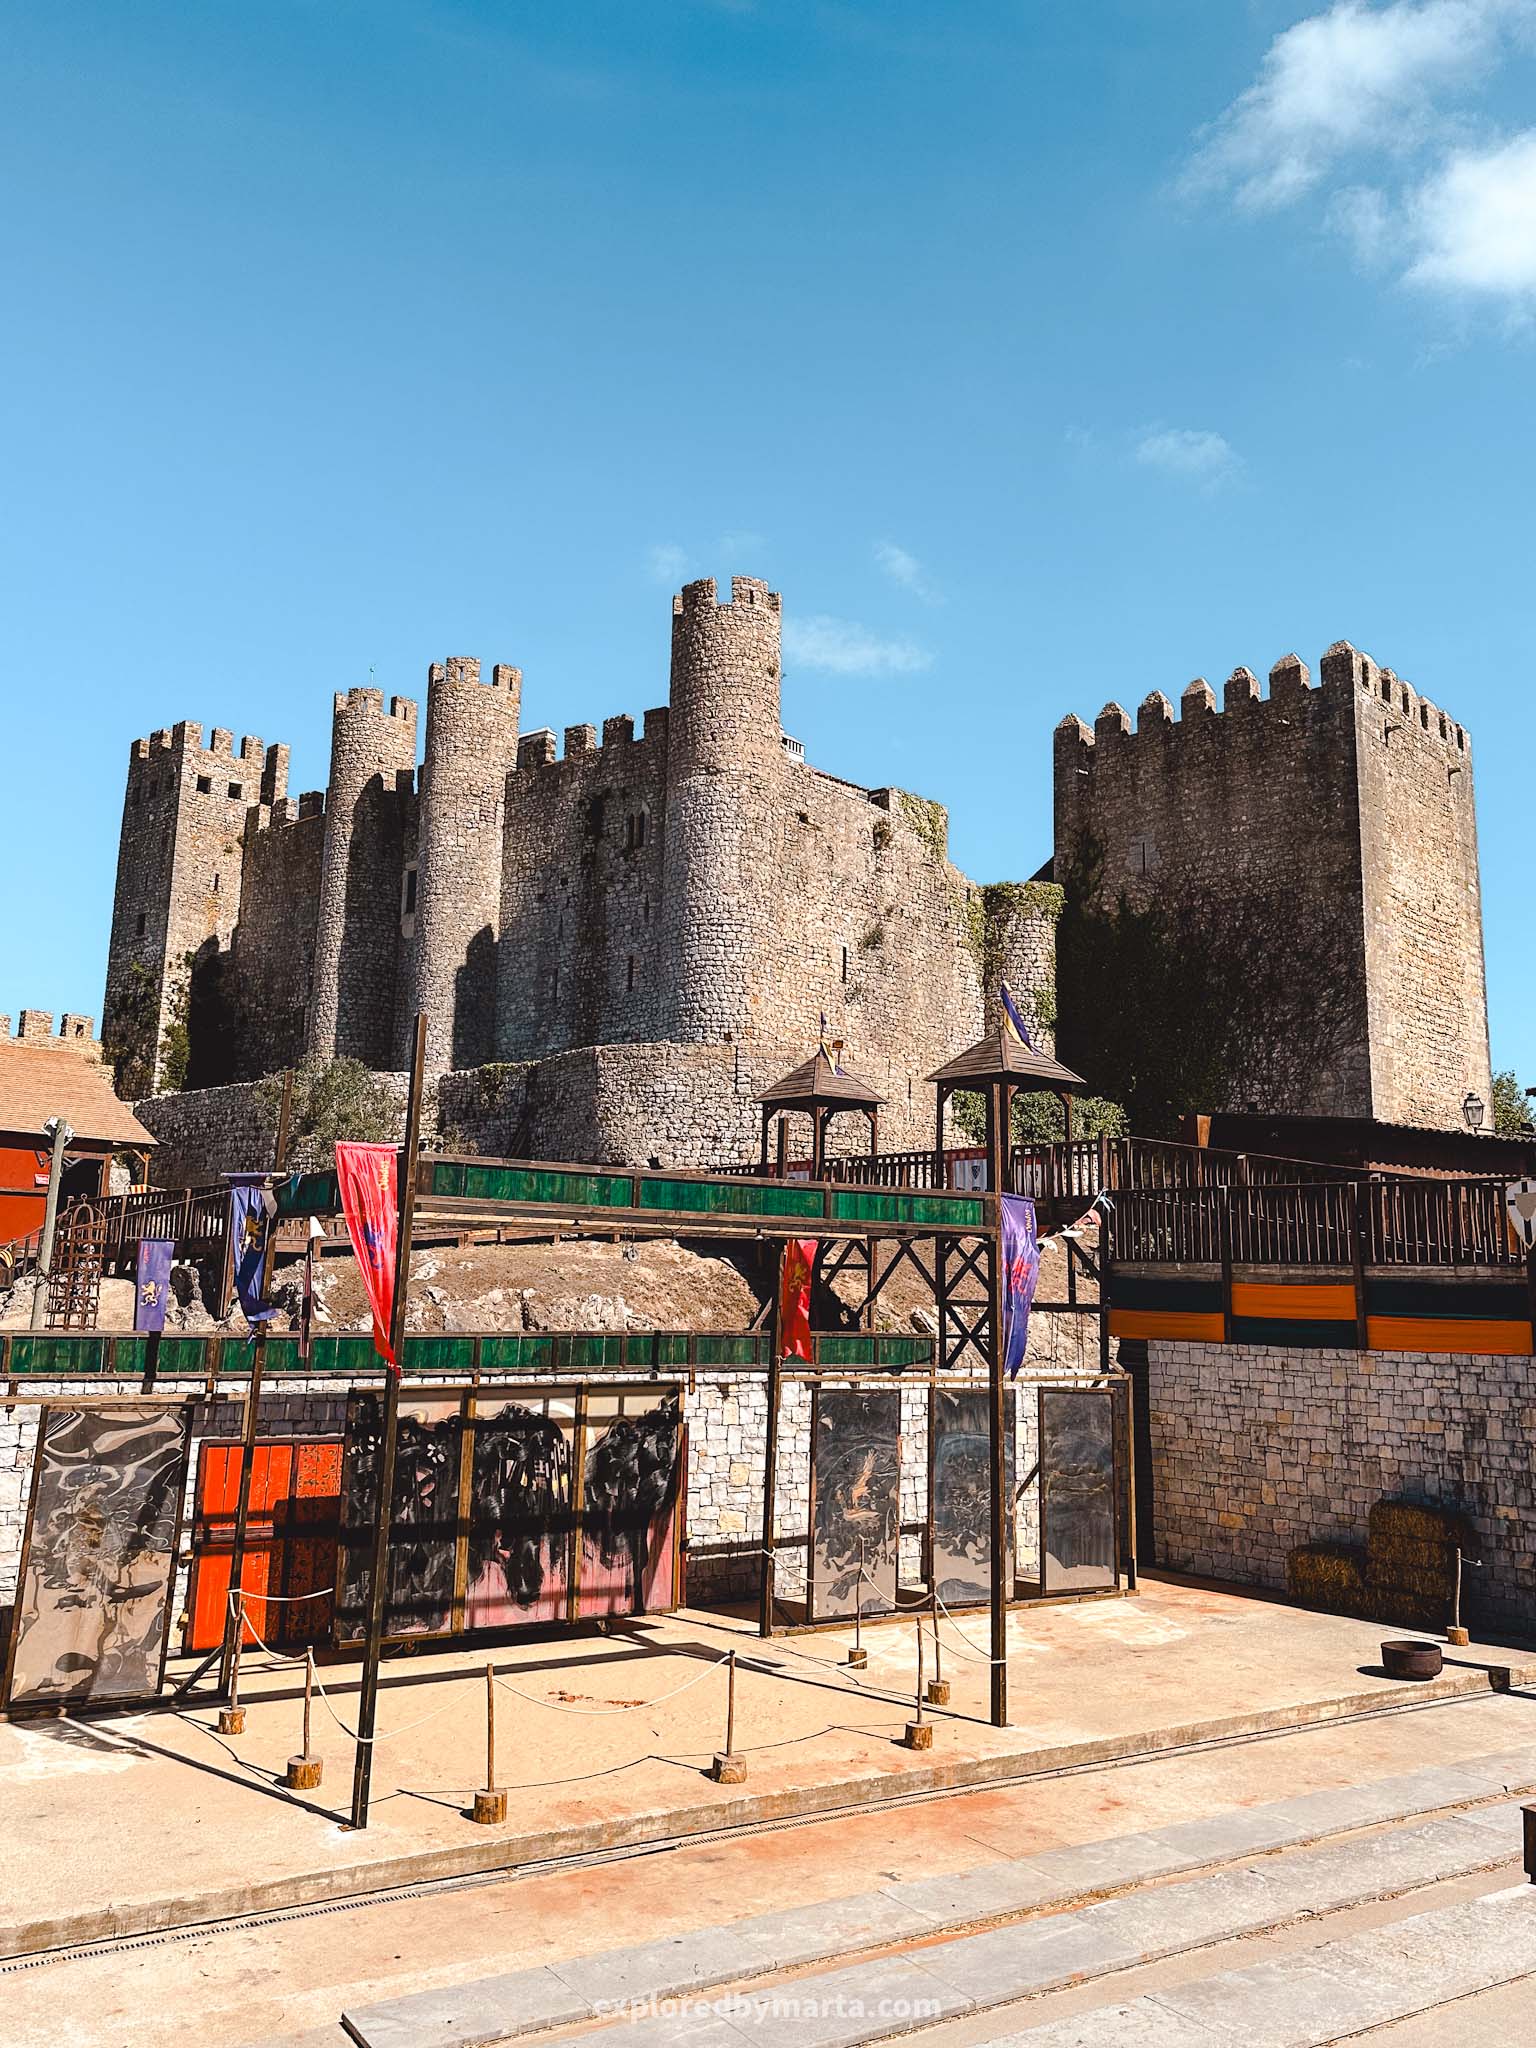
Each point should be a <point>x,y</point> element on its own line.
<point>986,1969</point>
<point>1327,1994</point>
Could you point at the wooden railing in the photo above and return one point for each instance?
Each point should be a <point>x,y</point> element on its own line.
<point>1344,1225</point>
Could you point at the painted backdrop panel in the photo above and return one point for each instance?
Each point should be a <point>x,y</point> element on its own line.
<point>960,1445</point>
<point>630,1497</point>
<point>856,1491</point>
<point>93,1606</point>
<point>519,1518</point>
<point>424,1524</point>
<point>1077,1490</point>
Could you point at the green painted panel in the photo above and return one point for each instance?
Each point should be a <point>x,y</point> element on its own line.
<point>282,1355</point>
<point>906,1351</point>
<point>741,1350</point>
<point>44,1356</point>
<point>1155,1291</point>
<point>845,1350</point>
<point>576,1352</point>
<point>517,1354</point>
<point>308,1194</point>
<point>443,1178</point>
<point>1458,1300</point>
<point>547,1187</point>
<point>345,1354</point>
<point>643,1349</point>
<point>944,1212</point>
<point>1294,1334</point>
<point>439,1354</point>
<point>729,1198</point>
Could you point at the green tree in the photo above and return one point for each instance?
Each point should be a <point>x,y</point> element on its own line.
<point>333,1099</point>
<point>1512,1108</point>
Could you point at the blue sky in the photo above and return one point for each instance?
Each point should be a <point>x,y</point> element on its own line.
<point>1039,352</point>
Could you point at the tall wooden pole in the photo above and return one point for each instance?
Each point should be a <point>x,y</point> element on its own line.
<point>234,1618</point>
<point>771,1452</point>
<point>997,1138</point>
<point>378,1582</point>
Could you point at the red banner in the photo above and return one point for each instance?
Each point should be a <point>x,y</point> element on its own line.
<point>795,1298</point>
<point>366,1176</point>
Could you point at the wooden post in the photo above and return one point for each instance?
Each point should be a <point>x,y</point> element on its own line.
<point>771,1451</point>
<point>993,1253</point>
<point>858,1656</point>
<point>378,1585</point>
<point>490,1805</point>
<point>234,1619</point>
<point>938,1685</point>
<point>304,1771</point>
<point>232,1714</point>
<point>919,1733</point>
<point>728,1768</point>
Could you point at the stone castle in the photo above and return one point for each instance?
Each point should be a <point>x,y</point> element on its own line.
<point>616,948</point>
<point>624,943</point>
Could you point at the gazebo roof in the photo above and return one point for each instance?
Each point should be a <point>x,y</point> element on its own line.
<point>1002,1057</point>
<point>816,1084</point>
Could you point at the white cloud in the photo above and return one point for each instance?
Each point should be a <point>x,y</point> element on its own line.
<point>907,570</point>
<point>1355,78</point>
<point>666,562</point>
<point>1473,221</point>
<point>1197,456</point>
<point>843,648</point>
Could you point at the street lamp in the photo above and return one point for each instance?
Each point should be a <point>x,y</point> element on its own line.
<point>1472,1110</point>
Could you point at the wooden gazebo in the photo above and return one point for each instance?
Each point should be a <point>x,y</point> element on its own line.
<point>998,1067</point>
<point>818,1090</point>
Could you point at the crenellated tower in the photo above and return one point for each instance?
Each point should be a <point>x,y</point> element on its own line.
<point>471,748</point>
<point>357,926</point>
<point>177,895</point>
<point>725,770</point>
<point>1343,810</point>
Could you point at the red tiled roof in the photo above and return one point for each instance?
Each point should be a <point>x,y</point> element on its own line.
<point>37,1082</point>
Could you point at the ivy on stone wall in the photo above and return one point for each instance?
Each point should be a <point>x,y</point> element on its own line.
<point>128,1033</point>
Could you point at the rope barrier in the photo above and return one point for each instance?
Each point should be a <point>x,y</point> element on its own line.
<point>346,1728</point>
<point>638,1706</point>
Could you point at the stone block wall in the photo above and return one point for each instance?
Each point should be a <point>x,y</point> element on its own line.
<point>1256,1450</point>
<point>272,954</point>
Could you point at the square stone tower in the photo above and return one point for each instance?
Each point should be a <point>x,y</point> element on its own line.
<point>1346,810</point>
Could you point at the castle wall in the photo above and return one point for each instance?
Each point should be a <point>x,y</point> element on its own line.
<point>179,861</point>
<point>1424,923</point>
<point>471,746</point>
<point>1257,1450</point>
<point>272,957</point>
<point>581,959</point>
<point>357,926</point>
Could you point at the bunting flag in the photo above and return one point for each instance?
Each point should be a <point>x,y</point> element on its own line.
<point>367,1178</point>
<point>1013,1021</point>
<point>795,1269</point>
<point>252,1215</point>
<point>1021,1269</point>
<point>153,1285</point>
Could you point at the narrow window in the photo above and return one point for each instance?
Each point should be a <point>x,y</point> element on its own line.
<point>1386,693</point>
<point>647,909</point>
<point>235,790</point>
<point>143,921</point>
<point>215,885</point>
<point>845,963</point>
<point>205,785</point>
<point>631,981</point>
<point>410,891</point>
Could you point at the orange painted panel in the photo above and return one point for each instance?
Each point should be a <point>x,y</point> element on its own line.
<point>1166,1322</point>
<point>290,1541</point>
<point>1310,1302</point>
<point>1423,1333</point>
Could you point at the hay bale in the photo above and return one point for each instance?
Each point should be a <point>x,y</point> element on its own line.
<point>1410,1562</point>
<point>1327,1576</point>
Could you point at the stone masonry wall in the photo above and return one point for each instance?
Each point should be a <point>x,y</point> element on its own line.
<point>1256,1450</point>
<point>273,952</point>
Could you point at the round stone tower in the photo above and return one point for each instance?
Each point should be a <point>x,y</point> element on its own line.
<point>471,746</point>
<point>357,930</point>
<point>725,770</point>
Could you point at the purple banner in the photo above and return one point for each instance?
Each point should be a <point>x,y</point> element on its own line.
<point>154,1284</point>
<point>252,1214</point>
<point>1021,1269</point>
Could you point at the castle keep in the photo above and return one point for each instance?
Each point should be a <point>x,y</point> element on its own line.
<point>625,941</point>
<point>1344,811</point>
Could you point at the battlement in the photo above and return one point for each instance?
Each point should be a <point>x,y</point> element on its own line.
<point>1344,672</point>
<point>746,592</point>
<point>291,810</point>
<point>465,669</point>
<point>35,1027</point>
<point>401,709</point>
<point>541,749</point>
<point>186,738</point>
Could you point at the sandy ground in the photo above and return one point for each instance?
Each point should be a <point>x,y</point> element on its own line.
<point>144,1807</point>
